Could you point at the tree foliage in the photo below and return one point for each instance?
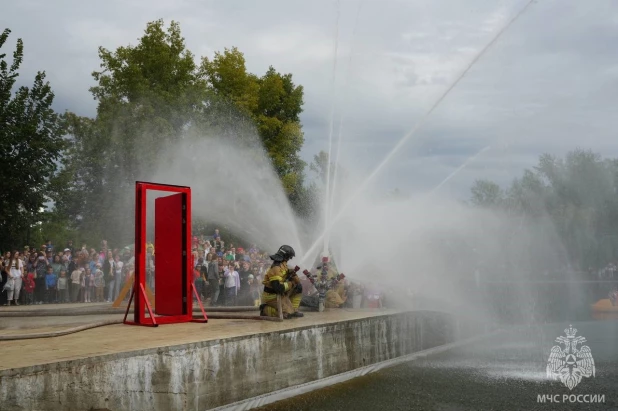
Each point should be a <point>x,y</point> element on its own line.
<point>577,193</point>
<point>272,103</point>
<point>147,95</point>
<point>151,96</point>
<point>319,166</point>
<point>30,147</point>
<point>486,193</point>
<point>339,181</point>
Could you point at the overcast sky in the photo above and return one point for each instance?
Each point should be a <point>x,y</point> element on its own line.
<point>550,83</point>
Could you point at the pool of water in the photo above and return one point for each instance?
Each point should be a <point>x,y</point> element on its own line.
<point>505,372</point>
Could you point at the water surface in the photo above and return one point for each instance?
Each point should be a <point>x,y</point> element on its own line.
<point>506,372</point>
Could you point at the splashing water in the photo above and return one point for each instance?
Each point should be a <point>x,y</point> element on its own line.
<point>330,133</point>
<point>363,186</point>
<point>331,205</point>
<point>459,169</point>
<point>245,195</point>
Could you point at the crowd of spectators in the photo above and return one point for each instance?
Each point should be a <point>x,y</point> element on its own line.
<point>49,275</point>
<point>609,272</point>
<point>232,276</point>
<point>224,274</point>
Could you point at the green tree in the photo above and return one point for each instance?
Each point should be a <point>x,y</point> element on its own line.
<point>319,165</point>
<point>151,97</point>
<point>227,76</point>
<point>272,103</point>
<point>232,96</point>
<point>80,183</point>
<point>528,195</point>
<point>147,94</point>
<point>575,195</point>
<point>31,142</point>
<point>486,193</point>
<point>277,117</point>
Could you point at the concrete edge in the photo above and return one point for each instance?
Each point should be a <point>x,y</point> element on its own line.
<point>66,364</point>
<point>289,392</point>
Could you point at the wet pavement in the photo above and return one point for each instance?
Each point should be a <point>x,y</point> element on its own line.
<point>505,372</point>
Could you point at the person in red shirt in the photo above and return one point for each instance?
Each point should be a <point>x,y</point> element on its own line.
<point>197,280</point>
<point>29,288</point>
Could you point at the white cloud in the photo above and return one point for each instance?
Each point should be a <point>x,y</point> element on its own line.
<point>548,85</point>
<point>299,45</point>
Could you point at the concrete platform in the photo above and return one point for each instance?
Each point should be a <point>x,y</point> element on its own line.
<point>120,338</point>
<point>197,366</point>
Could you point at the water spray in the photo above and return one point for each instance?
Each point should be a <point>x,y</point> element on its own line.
<point>321,282</point>
<point>458,170</point>
<point>330,134</point>
<point>345,88</point>
<point>413,131</point>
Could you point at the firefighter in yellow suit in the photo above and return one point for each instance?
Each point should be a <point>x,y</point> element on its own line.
<point>279,280</point>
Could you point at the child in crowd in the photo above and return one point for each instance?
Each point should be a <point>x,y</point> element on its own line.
<point>99,283</point>
<point>29,285</point>
<point>90,292</point>
<point>86,285</point>
<point>51,281</point>
<point>63,287</point>
<point>76,281</point>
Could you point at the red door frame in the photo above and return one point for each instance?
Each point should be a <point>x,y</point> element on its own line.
<point>139,293</point>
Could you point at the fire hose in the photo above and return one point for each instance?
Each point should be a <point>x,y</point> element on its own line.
<point>62,312</point>
<point>107,311</point>
<point>102,323</point>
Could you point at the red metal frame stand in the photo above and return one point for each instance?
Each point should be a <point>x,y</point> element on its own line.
<point>149,321</point>
<point>175,289</point>
<point>199,301</point>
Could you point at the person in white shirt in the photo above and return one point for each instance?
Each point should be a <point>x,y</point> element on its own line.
<point>117,276</point>
<point>232,284</point>
<point>132,259</point>
<point>16,273</point>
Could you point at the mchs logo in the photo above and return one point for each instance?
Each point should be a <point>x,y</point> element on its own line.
<point>570,362</point>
